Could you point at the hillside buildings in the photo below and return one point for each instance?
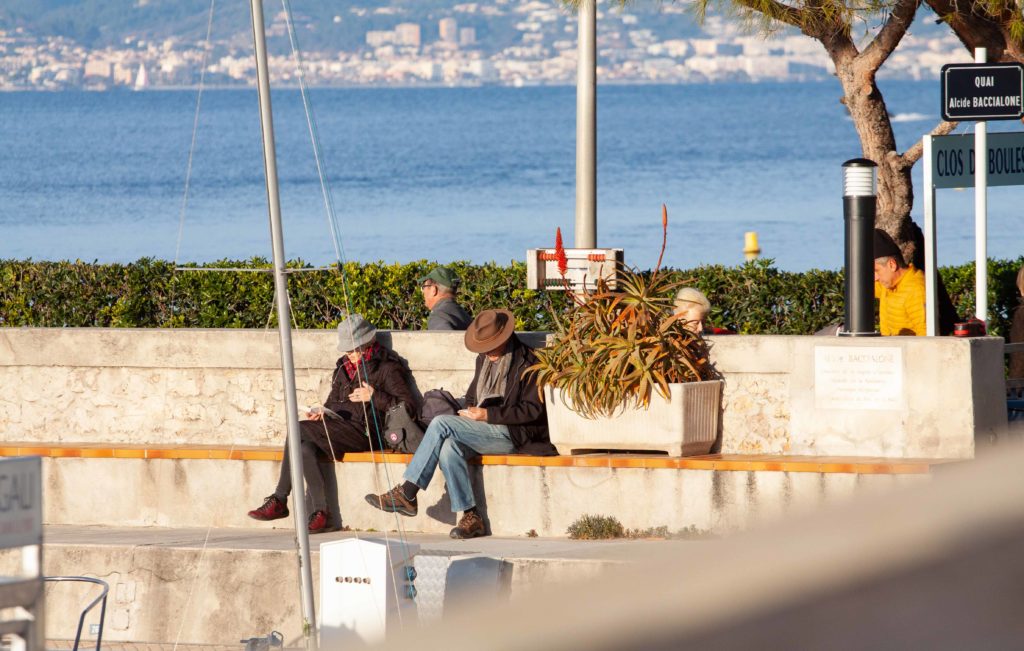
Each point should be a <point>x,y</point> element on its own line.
<point>527,42</point>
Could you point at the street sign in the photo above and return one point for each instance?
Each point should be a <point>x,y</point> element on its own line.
<point>953,160</point>
<point>982,91</point>
<point>21,502</point>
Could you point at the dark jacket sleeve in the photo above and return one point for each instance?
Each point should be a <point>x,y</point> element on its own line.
<point>527,410</point>
<point>1017,336</point>
<point>470,399</point>
<point>394,387</point>
<point>336,397</point>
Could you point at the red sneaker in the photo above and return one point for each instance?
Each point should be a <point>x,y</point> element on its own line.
<point>318,522</point>
<point>272,509</point>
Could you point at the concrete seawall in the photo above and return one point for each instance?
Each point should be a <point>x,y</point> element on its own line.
<point>893,397</point>
<point>877,401</point>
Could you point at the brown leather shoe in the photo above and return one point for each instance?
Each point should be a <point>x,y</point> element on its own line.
<point>393,501</point>
<point>470,526</point>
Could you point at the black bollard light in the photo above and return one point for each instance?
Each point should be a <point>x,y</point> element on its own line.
<point>859,197</point>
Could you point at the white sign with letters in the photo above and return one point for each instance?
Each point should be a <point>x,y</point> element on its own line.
<point>858,378</point>
<point>21,502</point>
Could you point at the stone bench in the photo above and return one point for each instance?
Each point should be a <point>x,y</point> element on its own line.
<point>198,486</point>
<point>154,413</point>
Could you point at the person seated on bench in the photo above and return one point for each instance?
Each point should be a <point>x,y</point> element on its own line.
<point>503,414</point>
<point>899,288</point>
<point>368,380</point>
<point>1016,369</point>
<point>439,288</point>
<point>693,307</point>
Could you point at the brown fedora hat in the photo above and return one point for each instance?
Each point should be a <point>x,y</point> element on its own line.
<point>490,329</point>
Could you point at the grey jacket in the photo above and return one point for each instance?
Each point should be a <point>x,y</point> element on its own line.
<point>448,315</point>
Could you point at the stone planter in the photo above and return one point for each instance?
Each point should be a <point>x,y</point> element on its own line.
<point>683,426</point>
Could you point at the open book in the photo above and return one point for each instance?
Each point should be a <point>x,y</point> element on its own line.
<point>330,413</point>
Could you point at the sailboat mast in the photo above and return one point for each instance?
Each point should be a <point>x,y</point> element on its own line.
<point>284,321</point>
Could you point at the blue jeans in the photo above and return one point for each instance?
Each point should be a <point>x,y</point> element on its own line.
<point>452,441</point>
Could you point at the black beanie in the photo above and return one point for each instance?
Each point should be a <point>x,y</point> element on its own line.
<point>886,248</point>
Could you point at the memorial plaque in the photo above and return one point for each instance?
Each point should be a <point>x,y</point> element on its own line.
<point>858,378</point>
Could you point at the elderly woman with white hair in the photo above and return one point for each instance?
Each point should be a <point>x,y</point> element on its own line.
<point>693,307</point>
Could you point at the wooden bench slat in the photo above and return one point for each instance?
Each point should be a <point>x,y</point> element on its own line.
<point>720,462</point>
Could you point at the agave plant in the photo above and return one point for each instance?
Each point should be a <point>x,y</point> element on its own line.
<point>614,347</point>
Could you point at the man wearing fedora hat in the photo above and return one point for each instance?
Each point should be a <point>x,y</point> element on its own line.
<point>439,287</point>
<point>503,414</point>
<point>368,380</point>
<point>899,288</point>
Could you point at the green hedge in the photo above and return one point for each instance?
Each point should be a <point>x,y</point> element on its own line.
<point>755,298</point>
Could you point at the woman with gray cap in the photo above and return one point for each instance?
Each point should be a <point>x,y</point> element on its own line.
<point>368,380</point>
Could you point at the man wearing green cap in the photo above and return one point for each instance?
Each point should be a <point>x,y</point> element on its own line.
<point>439,287</point>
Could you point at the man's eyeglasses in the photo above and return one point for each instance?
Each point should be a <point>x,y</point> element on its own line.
<point>426,285</point>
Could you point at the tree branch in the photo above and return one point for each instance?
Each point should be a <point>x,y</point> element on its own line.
<point>892,32</point>
<point>778,11</point>
<point>975,27</point>
<point>914,154</point>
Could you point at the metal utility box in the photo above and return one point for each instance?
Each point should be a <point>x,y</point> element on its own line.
<point>21,527</point>
<point>585,266</point>
<point>365,590</point>
<point>444,578</point>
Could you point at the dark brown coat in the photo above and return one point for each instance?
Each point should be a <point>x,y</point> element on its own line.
<point>1017,336</point>
<point>392,384</point>
<point>521,408</point>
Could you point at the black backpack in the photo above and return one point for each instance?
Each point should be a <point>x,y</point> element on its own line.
<point>401,432</point>
<point>437,402</point>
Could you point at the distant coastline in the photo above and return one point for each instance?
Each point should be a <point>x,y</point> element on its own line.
<point>443,85</point>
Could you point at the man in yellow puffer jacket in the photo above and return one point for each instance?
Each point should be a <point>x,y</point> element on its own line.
<point>899,288</point>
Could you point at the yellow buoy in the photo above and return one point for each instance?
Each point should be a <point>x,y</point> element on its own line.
<point>750,247</point>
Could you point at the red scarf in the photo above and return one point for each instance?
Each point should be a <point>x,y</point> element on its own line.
<point>352,369</point>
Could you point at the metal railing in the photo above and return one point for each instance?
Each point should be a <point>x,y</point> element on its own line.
<point>101,599</point>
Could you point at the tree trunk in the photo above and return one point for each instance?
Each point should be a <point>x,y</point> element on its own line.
<point>878,142</point>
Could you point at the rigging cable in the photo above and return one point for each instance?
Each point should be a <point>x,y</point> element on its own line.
<point>195,132</point>
<point>177,251</point>
<point>339,252</point>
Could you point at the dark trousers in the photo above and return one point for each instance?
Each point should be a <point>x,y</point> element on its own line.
<point>317,464</point>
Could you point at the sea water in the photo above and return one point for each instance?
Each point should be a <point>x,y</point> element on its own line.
<point>447,174</point>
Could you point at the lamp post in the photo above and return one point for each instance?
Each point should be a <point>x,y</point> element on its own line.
<point>859,199</point>
<point>586,128</point>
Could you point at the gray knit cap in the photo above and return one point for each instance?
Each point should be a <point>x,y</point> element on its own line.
<point>353,332</point>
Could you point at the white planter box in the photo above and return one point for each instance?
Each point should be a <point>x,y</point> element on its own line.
<point>683,426</point>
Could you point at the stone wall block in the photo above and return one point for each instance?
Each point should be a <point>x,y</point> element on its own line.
<point>269,383</point>
<point>245,404</point>
<point>10,417</point>
<point>224,387</point>
<point>755,421</point>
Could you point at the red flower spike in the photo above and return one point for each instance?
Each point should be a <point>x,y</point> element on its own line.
<point>563,261</point>
<point>664,238</point>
